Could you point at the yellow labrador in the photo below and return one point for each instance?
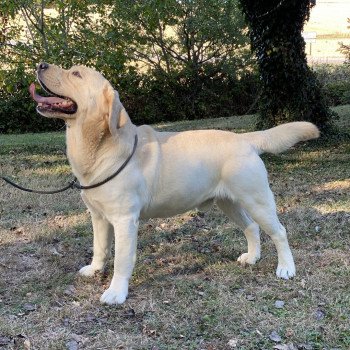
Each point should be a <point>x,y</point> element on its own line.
<point>170,173</point>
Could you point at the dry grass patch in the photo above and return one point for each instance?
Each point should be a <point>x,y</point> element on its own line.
<point>187,291</point>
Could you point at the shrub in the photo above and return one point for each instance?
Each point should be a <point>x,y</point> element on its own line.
<point>170,60</point>
<point>148,98</point>
<point>336,82</point>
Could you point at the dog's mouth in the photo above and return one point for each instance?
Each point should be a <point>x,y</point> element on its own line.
<point>53,103</point>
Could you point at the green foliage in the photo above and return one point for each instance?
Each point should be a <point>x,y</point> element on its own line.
<point>176,35</point>
<point>171,60</point>
<point>17,110</point>
<point>335,80</point>
<point>180,96</point>
<point>290,89</point>
<point>345,49</point>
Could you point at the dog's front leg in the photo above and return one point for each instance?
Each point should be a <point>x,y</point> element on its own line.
<point>125,256</point>
<point>103,235</point>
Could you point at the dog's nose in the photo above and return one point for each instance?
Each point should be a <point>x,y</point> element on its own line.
<point>43,66</point>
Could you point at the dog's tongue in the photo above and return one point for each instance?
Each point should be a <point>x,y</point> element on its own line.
<point>41,99</point>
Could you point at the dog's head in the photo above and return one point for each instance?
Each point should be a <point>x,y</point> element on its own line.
<point>79,93</point>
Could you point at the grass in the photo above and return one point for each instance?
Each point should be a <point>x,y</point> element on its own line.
<point>187,290</point>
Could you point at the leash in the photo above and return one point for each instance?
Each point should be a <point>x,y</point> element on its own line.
<point>74,184</point>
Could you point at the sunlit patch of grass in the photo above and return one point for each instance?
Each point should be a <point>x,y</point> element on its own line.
<point>339,186</point>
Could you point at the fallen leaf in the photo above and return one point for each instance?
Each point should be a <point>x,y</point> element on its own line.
<point>27,344</point>
<point>19,231</point>
<point>70,290</point>
<point>130,313</point>
<point>54,251</point>
<point>289,333</point>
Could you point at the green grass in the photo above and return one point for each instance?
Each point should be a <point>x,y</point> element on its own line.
<point>187,290</point>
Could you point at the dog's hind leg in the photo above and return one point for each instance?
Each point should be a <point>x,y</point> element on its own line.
<point>261,206</point>
<point>250,228</point>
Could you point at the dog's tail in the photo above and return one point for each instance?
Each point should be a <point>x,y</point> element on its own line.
<point>282,137</point>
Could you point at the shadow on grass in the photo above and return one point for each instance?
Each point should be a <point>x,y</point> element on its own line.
<point>166,249</point>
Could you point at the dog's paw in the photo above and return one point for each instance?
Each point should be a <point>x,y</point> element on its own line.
<point>285,272</point>
<point>115,294</point>
<point>87,271</point>
<point>246,258</point>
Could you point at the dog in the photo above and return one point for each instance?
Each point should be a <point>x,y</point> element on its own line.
<point>168,174</point>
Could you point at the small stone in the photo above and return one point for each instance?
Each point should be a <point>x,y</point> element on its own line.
<point>5,341</point>
<point>232,343</point>
<point>319,315</point>
<point>70,290</point>
<point>72,345</point>
<point>259,333</point>
<point>289,346</point>
<point>250,297</point>
<point>29,307</point>
<point>279,304</point>
<point>317,229</point>
<point>305,346</point>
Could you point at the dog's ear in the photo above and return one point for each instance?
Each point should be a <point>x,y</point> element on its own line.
<point>117,115</point>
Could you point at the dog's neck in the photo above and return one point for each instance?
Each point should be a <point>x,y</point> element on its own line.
<point>92,151</point>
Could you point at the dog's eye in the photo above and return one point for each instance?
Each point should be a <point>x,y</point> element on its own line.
<point>77,74</point>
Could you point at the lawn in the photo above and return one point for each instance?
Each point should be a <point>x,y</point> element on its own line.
<point>187,290</point>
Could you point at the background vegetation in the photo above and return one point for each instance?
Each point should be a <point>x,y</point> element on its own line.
<point>170,60</point>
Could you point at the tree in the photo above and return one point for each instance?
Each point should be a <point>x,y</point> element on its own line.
<point>191,48</point>
<point>59,32</point>
<point>345,49</point>
<point>290,90</point>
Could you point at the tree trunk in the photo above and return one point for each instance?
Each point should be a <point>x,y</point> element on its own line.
<point>290,90</point>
